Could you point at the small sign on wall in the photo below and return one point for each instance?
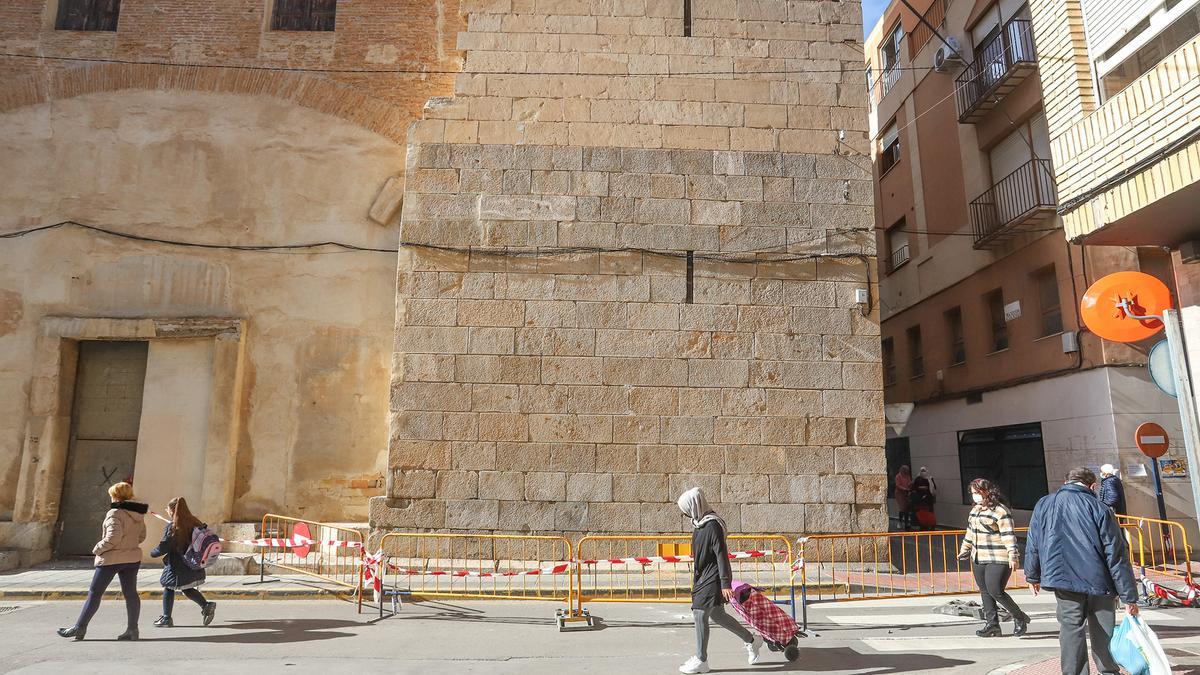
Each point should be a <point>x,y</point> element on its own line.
<point>1173,468</point>
<point>1135,471</point>
<point>1012,311</point>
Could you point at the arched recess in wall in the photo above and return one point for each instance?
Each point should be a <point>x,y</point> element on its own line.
<point>312,92</point>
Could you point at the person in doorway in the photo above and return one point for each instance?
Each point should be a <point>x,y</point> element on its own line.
<point>712,581</point>
<point>923,497</point>
<point>177,575</point>
<point>991,544</point>
<point>1075,548</point>
<point>902,492</point>
<point>1112,490</point>
<point>118,554</point>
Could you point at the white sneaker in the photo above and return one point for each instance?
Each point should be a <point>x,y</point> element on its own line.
<point>752,650</point>
<point>694,665</point>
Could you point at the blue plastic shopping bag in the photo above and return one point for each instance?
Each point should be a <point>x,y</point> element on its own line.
<point>1126,651</point>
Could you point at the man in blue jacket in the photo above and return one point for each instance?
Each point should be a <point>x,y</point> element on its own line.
<point>1075,548</point>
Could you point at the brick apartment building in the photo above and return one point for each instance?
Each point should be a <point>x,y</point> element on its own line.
<point>980,290</point>
<point>701,309</point>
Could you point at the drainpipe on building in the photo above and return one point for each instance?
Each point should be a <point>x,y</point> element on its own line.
<point>1188,415</point>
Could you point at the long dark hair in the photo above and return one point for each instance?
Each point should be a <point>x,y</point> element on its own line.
<point>992,497</point>
<point>182,523</point>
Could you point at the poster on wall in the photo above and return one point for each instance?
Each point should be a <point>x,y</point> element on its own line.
<point>1172,468</point>
<point>1135,471</point>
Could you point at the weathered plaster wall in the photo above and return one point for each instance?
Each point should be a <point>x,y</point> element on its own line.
<point>583,390</point>
<point>219,168</point>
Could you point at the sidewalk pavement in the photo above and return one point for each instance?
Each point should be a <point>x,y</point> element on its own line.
<point>56,581</point>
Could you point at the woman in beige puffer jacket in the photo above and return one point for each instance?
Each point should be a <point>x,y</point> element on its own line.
<point>118,554</point>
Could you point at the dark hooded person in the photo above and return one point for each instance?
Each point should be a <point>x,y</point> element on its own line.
<point>712,581</point>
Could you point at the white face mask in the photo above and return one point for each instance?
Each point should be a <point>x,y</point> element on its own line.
<point>976,497</point>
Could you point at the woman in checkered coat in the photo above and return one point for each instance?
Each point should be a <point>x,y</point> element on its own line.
<point>991,544</point>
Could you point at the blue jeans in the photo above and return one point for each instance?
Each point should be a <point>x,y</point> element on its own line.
<point>102,577</point>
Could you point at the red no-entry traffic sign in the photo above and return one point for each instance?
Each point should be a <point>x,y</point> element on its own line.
<point>1152,440</point>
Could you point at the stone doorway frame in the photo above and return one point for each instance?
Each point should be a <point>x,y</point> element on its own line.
<point>48,426</point>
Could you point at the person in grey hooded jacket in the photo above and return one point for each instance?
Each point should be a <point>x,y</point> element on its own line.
<point>712,581</point>
<point>1075,548</point>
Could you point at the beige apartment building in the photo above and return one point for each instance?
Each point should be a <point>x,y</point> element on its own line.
<point>1123,111</point>
<point>988,371</point>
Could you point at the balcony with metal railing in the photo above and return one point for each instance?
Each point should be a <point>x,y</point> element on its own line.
<point>884,83</point>
<point>1002,63</point>
<point>1016,203</point>
<point>898,257</point>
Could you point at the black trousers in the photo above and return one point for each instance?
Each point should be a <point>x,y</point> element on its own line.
<point>991,579</point>
<point>190,593</point>
<point>101,578</point>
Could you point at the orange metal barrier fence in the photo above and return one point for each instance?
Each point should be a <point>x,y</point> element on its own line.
<point>321,559</point>
<point>658,568</point>
<point>1164,550</point>
<point>475,566</point>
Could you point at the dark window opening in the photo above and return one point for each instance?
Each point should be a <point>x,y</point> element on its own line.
<point>898,454</point>
<point>1048,301</point>
<point>689,293</point>
<point>687,18</point>
<point>1149,54</point>
<point>889,362</point>
<point>314,15</point>
<point>88,15</point>
<point>916,353</point>
<point>995,307</point>
<point>958,343</point>
<point>889,148</point>
<point>1012,457</point>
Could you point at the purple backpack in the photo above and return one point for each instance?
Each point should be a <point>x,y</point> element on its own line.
<point>204,550</point>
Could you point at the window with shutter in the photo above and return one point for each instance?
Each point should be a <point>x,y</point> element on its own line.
<point>302,15</point>
<point>88,15</point>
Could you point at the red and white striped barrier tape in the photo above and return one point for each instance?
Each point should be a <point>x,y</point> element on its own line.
<point>646,560</point>
<point>296,541</point>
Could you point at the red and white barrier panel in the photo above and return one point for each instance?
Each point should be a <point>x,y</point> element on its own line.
<point>560,568</point>
<point>371,577</point>
<point>646,560</point>
<point>295,541</point>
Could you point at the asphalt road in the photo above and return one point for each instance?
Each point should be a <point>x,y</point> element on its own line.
<point>876,638</point>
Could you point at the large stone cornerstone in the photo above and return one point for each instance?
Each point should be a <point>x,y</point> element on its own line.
<point>617,282</point>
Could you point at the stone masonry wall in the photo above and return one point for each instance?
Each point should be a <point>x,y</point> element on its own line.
<point>557,366</point>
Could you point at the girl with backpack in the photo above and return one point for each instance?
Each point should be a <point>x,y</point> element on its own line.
<point>177,574</point>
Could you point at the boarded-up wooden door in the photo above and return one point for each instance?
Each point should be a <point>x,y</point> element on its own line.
<point>104,433</point>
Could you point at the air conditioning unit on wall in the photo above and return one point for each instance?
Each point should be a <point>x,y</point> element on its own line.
<point>947,57</point>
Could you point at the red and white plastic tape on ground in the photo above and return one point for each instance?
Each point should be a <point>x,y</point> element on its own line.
<point>646,560</point>
<point>296,541</point>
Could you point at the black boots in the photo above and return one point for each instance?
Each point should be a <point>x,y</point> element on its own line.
<point>989,631</point>
<point>164,622</point>
<point>209,611</point>
<point>129,635</point>
<point>1020,627</point>
<point>72,632</point>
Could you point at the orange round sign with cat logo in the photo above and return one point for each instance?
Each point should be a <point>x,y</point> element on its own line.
<point>1111,306</point>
